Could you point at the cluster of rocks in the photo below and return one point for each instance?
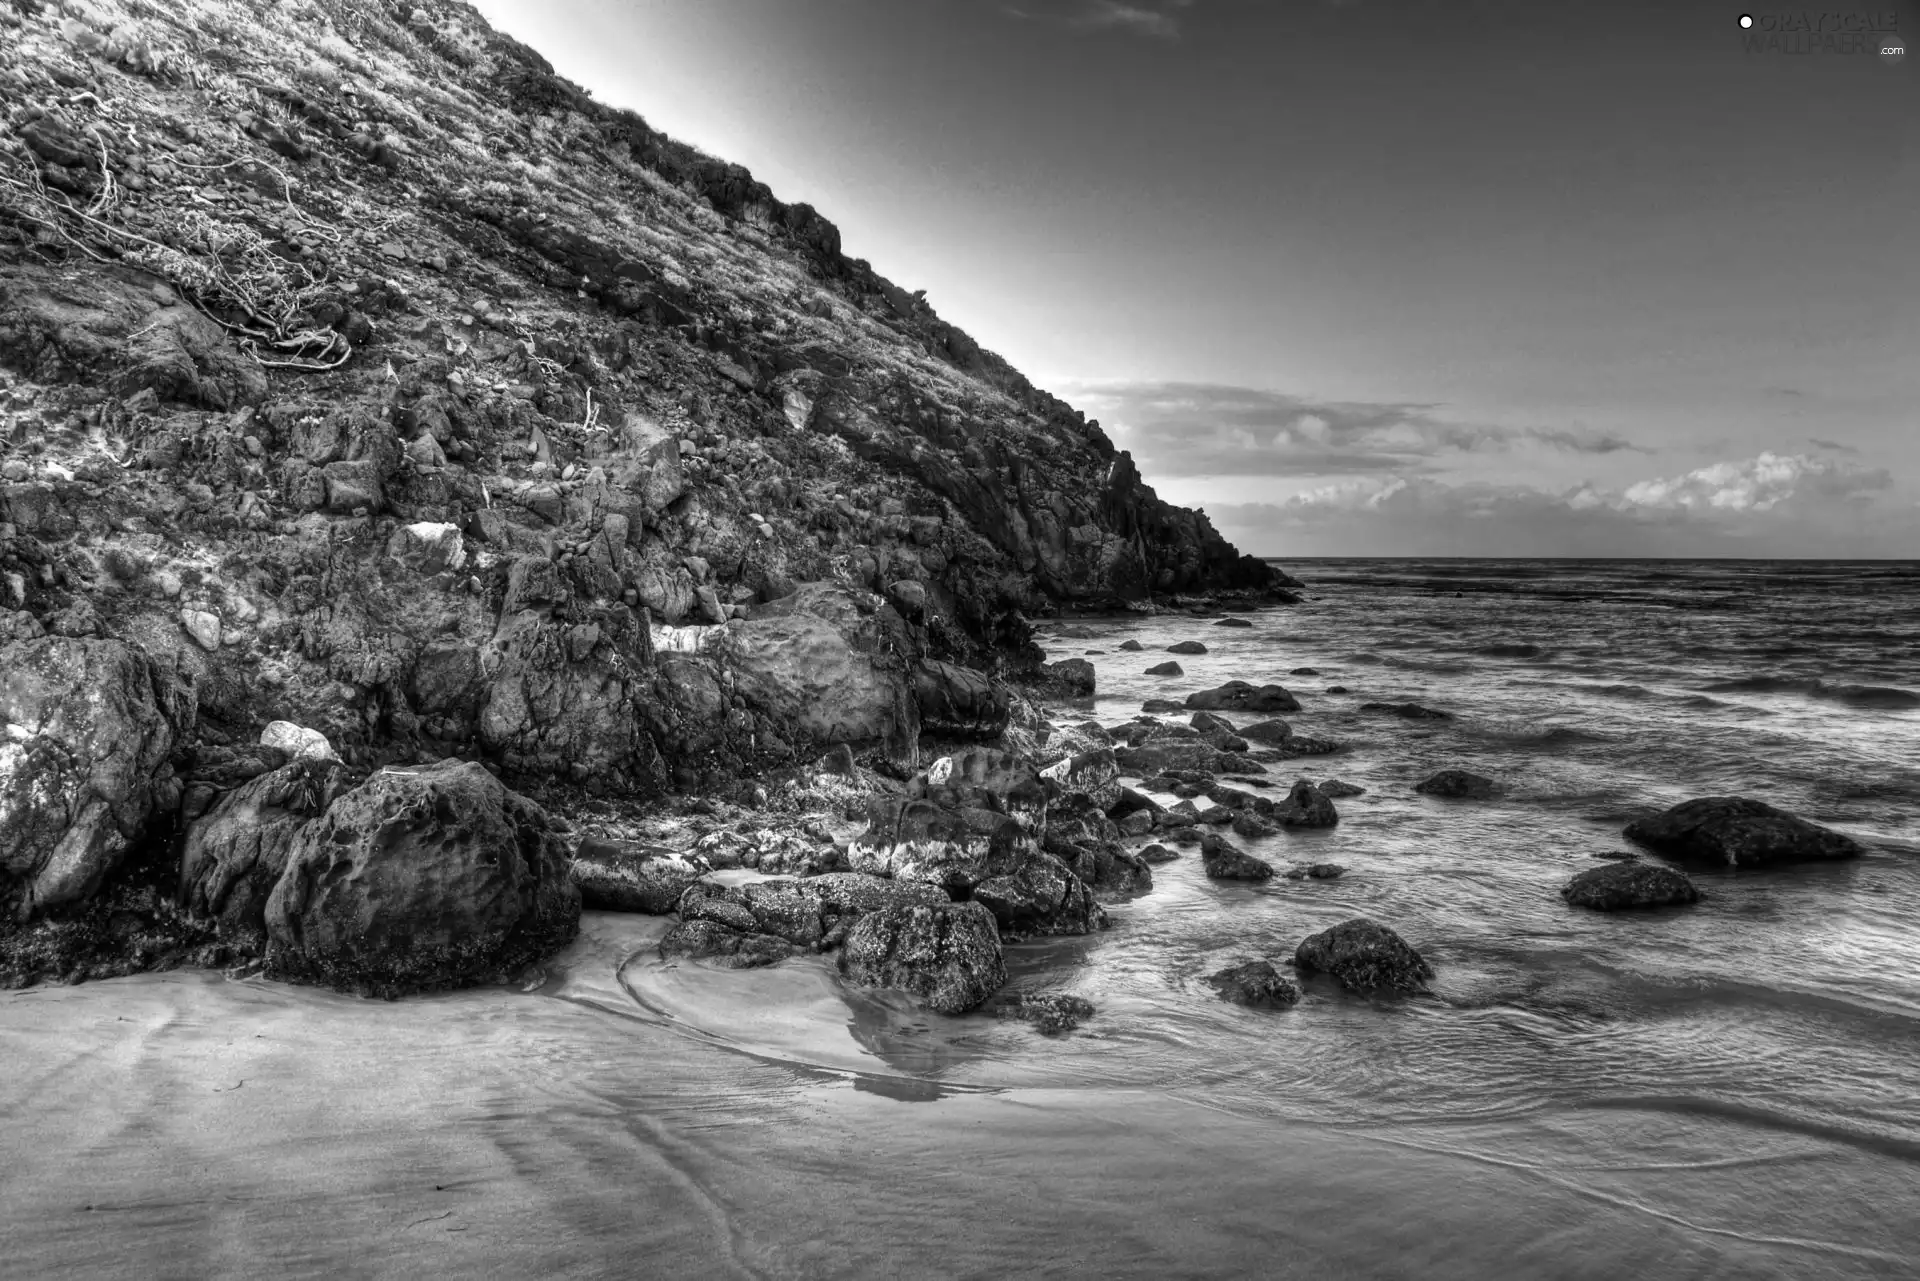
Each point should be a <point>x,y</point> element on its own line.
<point>1361,955</point>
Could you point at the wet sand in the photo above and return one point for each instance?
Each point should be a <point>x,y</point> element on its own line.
<point>182,1124</point>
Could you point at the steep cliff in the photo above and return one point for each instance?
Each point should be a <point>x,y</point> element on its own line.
<point>373,377</point>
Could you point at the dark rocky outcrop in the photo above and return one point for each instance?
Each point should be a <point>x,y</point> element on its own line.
<point>1364,956</point>
<point>1338,790</point>
<point>237,852</point>
<point>421,879</point>
<point>1737,832</point>
<point>1166,669</point>
<point>1456,784</point>
<point>1629,884</point>
<point>1255,983</point>
<point>947,958</point>
<point>1406,711</point>
<point>1185,647</point>
<point>1315,872</point>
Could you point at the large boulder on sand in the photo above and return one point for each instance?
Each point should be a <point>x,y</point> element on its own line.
<point>422,879</point>
<point>1238,696</point>
<point>236,852</point>
<point>948,958</point>
<point>1628,884</point>
<point>1736,832</point>
<point>86,729</point>
<point>1364,956</point>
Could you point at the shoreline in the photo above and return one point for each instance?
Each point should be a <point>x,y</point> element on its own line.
<point>495,1132</point>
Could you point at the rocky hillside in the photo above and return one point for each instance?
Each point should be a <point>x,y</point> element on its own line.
<point>358,372</point>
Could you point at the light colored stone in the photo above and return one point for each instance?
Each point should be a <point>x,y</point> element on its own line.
<point>203,626</point>
<point>297,741</point>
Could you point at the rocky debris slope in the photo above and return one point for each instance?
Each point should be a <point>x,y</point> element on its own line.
<point>362,377</point>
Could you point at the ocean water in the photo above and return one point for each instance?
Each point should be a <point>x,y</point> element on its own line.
<point>1726,1090</point>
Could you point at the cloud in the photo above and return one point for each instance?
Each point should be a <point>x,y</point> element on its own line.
<point>1156,19</point>
<point>1791,505</point>
<point>1205,429</point>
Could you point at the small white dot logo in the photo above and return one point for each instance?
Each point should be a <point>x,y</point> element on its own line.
<point>1746,21</point>
<point>1892,49</point>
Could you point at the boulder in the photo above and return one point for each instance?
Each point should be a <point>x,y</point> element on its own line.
<point>1267,731</point>
<point>1315,872</point>
<point>1456,784</point>
<point>1238,696</point>
<point>819,669</point>
<point>1166,669</point>
<point>297,741</point>
<point>1072,676</point>
<point>86,730</point>
<point>1305,806</point>
<point>947,958</point>
<point>1223,862</point>
<point>1132,646</point>
<point>1232,622</point>
<point>958,701</point>
<point>1364,956</point>
<point>957,849</point>
<point>1338,790</point>
<point>1041,897</point>
<point>1157,854</point>
<point>1614,886</point>
<point>1254,983</point>
<point>1186,647</point>
<point>1737,832</point>
<point>237,851</point>
<point>626,876</point>
<point>422,879</point>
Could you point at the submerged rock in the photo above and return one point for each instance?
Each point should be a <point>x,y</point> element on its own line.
<point>1316,872</point>
<point>1256,984</point>
<point>626,876</point>
<point>947,958</point>
<point>1051,1013</point>
<point>1223,862</point>
<point>86,730</point>
<point>1457,784</point>
<point>1232,622</point>
<point>1364,956</point>
<point>1407,711</point>
<point>1618,885</point>
<point>1239,696</point>
<point>419,880</point>
<point>1335,788</point>
<point>1738,832</point>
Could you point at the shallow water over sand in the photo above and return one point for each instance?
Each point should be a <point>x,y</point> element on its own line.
<point>1728,1090</point>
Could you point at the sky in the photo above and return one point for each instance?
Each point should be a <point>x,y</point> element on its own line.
<point>1373,277</point>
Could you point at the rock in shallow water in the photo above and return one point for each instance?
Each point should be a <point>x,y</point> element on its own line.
<point>1166,669</point>
<point>1364,956</point>
<point>1457,784</point>
<point>1223,862</point>
<point>704,939</point>
<point>1737,832</point>
<point>1407,711</point>
<point>1305,806</point>
<point>1187,647</point>
<point>1051,1013</point>
<point>1338,790</point>
<point>1630,884</point>
<point>1238,696</point>
<point>1256,984</point>
<point>947,958</point>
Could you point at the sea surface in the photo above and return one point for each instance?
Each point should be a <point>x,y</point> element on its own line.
<point>1726,1090</point>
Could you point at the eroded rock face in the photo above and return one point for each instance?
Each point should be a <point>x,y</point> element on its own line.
<point>1629,884</point>
<point>958,701</point>
<point>1364,956</point>
<point>86,728</point>
<point>1737,832</point>
<point>1255,983</point>
<point>422,879</point>
<point>236,853</point>
<point>947,958</point>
